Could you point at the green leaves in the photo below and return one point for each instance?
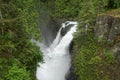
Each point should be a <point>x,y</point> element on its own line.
<point>66,8</point>
<point>92,59</point>
<point>109,57</point>
<point>18,55</point>
<point>17,73</point>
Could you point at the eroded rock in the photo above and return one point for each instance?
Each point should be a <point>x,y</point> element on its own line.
<point>107,28</point>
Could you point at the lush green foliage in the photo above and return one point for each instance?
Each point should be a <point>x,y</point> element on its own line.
<point>17,73</point>
<point>93,60</point>
<point>71,9</point>
<point>18,24</point>
<point>67,8</point>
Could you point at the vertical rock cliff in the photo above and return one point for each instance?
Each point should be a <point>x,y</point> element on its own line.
<point>107,30</point>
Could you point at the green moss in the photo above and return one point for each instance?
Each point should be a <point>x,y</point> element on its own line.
<point>114,13</point>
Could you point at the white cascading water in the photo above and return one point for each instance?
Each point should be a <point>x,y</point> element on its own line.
<point>56,58</point>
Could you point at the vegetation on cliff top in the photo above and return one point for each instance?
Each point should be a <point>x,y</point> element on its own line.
<point>113,13</point>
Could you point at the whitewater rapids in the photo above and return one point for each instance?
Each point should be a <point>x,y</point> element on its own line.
<point>56,58</point>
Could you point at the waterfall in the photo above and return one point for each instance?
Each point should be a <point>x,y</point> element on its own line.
<point>56,57</point>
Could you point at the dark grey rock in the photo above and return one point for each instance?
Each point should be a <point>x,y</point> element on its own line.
<point>103,26</point>
<point>115,29</point>
<point>116,50</point>
<point>107,28</point>
<point>66,29</point>
<point>72,75</point>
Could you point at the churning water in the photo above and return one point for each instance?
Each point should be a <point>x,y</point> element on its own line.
<point>56,57</point>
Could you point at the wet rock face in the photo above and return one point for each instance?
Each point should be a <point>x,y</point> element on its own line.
<point>107,28</point>
<point>115,30</point>
<point>66,29</point>
<point>103,25</point>
<point>72,75</point>
<point>116,50</point>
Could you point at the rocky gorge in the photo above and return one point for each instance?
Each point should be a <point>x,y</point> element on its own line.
<point>76,40</point>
